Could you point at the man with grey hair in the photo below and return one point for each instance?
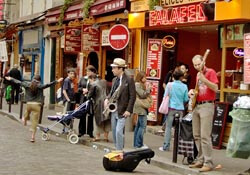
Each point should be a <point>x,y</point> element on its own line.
<point>15,73</point>
<point>123,94</point>
<point>203,112</point>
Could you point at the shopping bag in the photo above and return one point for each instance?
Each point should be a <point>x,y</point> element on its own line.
<point>164,105</point>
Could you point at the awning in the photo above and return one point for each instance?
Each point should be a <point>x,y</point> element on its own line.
<point>106,6</point>
<point>31,18</point>
<point>73,12</point>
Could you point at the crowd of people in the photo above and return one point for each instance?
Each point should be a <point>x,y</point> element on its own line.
<point>109,110</point>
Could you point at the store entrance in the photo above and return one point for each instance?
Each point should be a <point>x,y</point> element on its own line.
<point>69,61</point>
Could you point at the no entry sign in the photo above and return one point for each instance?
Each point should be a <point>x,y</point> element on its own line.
<point>118,37</point>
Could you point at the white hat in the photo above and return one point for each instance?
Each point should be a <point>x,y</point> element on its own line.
<point>119,62</point>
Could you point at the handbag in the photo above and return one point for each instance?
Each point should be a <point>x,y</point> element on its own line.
<point>165,102</point>
<point>145,103</point>
<point>164,105</point>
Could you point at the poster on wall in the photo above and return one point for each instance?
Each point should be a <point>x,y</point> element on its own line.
<point>90,38</point>
<point>72,39</point>
<point>247,58</point>
<point>3,51</point>
<point>154,57</point>
<point>153,110</point>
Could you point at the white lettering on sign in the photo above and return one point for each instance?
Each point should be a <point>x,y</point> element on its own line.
<point>184,14</point>
<point>118,37</point>
<point>177,2</point>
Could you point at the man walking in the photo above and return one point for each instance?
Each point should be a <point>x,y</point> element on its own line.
<point>203,113</point>
<point>124,95</point>
<point>15,73</point>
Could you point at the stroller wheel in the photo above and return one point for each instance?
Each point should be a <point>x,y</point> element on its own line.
<point>73,138</point>
<point>45,136</point>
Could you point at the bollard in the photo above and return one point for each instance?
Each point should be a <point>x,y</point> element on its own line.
<point>176,136</point>
<point>21,109</point>
<point>41,111</point>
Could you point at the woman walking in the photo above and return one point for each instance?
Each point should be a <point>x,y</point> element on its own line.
<point>178,95</point>
<point>142,103</point>
<point>34,98</point>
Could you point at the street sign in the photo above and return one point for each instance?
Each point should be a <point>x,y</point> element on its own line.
<point>118,36</point>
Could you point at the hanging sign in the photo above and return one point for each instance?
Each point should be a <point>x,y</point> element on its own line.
<point>238,52</point>
<point>177,15</point>
<point>90,38</point>
<point>154,58</point>
<point>72,39</point>
<point>247,58</point>
<point>3,51</point>
<point>168,41</point>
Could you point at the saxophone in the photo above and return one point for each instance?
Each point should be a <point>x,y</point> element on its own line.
<point>112,106</point>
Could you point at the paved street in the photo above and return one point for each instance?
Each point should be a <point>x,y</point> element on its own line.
<point>54,157</point>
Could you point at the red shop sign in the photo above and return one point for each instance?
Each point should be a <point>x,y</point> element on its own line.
<point>118,37</point>
<point>154,58</point>
<point>72,39</point>
<point>177,15</point>
<point>90,38</point>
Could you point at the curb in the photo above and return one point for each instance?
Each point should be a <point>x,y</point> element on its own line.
<point>156,161</point>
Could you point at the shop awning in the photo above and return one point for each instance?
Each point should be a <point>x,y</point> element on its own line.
<point>30,18</point>
<point>73,12</point>
<point>106,6</point>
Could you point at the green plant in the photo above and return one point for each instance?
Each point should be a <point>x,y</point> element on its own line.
<point>152,3</point>
<point>86,6</point>
<point>63,10</point>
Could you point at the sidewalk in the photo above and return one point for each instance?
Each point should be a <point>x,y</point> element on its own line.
<point>230,166</point>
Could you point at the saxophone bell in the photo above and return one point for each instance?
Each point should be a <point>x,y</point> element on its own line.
<point>112,107</point>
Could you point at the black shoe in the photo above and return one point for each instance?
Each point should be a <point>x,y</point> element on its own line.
<point>80,135</point>
<point>91,136</point>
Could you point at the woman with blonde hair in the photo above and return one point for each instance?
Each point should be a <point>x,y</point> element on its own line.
<point>142,103</point>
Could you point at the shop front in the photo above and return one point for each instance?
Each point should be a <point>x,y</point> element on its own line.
<point>109,14</point>
<point>175,33</point>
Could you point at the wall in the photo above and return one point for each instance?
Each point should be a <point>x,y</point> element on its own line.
<point>192,43</point>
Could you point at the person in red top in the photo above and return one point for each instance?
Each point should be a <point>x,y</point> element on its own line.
<point>203,113</point>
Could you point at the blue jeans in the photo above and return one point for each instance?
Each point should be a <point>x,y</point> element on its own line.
<point>170,119</point>
<point>139,131</point>
<point>118,126</point>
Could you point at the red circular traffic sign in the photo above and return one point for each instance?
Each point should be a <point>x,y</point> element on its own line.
<point>118,36</point>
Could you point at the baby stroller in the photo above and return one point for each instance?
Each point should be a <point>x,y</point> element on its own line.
<point>186,145</point>
<point>66,120</point>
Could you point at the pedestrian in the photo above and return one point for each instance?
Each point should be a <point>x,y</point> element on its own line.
<point>178,95</point>
<point>203,113</point>
<point>142,103</point>
<point>86,124</point>
<point>123,95</point>
<point>68,91</point>
<point>97,93</point>
<point>186,77</point>
<point>16,74</point>
<point>34,98</point>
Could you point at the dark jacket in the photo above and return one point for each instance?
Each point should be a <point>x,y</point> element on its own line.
<point>82,84</point>
<point>127,95</point>
<point>29,97</point>
<point>15,73</point>
<point>97,92</point>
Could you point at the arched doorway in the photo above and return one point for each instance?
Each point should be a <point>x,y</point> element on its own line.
<point>93,60</point>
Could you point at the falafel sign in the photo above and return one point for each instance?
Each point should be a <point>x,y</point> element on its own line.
<point>154,58</point>
<point>177,15</point>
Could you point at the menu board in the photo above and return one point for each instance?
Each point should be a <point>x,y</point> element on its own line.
<point>152,111</point>
<point>154,57</point>
<point>72,39</point>
<point>247,58</point>
<point>90,38</point>
<point>219,122</point>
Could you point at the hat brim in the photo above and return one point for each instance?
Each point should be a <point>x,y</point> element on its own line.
<point>115,65</point>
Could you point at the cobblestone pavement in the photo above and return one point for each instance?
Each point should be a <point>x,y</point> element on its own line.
<point>54,157</point>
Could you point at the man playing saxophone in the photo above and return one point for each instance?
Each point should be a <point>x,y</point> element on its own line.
<point>123,96</point>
